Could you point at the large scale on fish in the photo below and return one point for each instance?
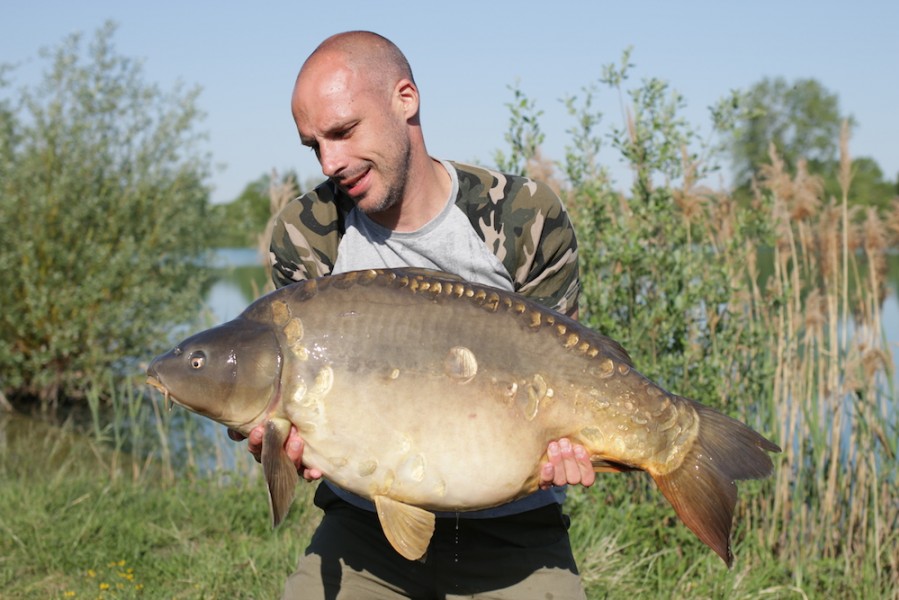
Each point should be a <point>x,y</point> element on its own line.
<point>404,382</point>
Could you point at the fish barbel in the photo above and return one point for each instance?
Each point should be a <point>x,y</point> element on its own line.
<point>387,374</point>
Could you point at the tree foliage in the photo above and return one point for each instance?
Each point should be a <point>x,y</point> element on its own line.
<point>648,279</point>
<point>240,221</point>
<point>103,209</point>
<point>802,119</point>
<point>869,186</point>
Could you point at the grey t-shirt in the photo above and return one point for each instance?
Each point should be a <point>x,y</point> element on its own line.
<point>446,243</point>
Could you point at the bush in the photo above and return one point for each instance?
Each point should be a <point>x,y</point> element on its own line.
<point>769,309</point>
<point>103,209</point>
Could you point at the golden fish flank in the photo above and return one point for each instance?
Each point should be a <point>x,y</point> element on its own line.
<point>537,391</point>
<point>413,468</point>
<point>429,363</point>
<point>366,468</point>
<point>461,364</point>
<point>606,368</point>
<point>315,395</point>
<point>293,331</point>
<point>280,313</point>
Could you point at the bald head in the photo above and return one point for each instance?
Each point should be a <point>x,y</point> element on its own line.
<point>369,55</point>
<point>356,105</point>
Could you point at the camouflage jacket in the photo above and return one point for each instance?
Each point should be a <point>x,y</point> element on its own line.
<point>521,221</point>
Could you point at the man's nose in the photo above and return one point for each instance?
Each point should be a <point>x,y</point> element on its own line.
<point>331,158</point>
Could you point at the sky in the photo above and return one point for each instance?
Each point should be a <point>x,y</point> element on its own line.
<point>465,55</point>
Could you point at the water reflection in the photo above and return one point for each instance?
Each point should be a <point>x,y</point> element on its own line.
<point>240,279</point>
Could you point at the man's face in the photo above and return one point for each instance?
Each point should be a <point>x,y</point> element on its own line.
<point>358,133</point>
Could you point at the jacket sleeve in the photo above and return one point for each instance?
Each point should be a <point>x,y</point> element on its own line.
<point>305,237</point>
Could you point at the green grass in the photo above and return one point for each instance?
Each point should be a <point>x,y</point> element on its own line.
<point>72,527</point>
<point>630,548</point>
<point>77,520</point>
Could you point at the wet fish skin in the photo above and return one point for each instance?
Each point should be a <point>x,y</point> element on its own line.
<point>388,373</point>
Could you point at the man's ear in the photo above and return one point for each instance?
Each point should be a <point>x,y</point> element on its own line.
<point>406,93</point>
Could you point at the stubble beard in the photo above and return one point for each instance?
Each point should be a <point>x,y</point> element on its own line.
<point>395,177</point>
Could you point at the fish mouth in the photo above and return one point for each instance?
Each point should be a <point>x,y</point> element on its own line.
<point>154,381</point>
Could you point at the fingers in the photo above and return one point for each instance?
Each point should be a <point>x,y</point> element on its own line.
<point>585,468</point>
<point>254,443</point>
<point>236,435</point>
<point>293,446</point>
<point>311,474</point>
<point>568,464</point>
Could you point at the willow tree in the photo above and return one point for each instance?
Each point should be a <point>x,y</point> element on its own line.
<point>104,214</point>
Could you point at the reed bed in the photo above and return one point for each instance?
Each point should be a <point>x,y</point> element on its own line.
<point>771,311</point>
<point>835,496</point>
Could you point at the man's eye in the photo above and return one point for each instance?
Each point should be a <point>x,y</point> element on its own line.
<point>342,134</point>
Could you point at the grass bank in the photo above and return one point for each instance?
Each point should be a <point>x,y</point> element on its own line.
<point>77,520</point>
<point>80,519</point>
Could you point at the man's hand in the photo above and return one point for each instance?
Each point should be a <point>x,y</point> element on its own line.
<point>568,464</point>
<point>293,446</point>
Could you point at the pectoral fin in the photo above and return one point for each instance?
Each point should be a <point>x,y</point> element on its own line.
<point>280,472</point>
<point>408,528</point>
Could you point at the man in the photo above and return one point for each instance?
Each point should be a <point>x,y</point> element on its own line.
<point>388,203</point>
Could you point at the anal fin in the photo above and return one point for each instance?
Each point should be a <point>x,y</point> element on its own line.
<point>280,472</point>
<point>408,528</point>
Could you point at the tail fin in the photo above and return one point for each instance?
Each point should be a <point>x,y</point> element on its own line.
<point>702,489</point>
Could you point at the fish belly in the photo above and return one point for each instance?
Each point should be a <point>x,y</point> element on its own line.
<point>434,443</point>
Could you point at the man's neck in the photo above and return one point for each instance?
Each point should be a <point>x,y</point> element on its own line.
<point>426,193</point>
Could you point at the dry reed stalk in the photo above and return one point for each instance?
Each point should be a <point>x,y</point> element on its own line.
<point>874,236</point>
<point>892,222</point>
<point>690,201</point>
<point>786,412</point>
<point>828,471</point>
<point>845,180</point>
<point>804,206</point>
<point>829,244</point>
<point>845,174</point>
<point>280,191</point>
<point>541,168</point>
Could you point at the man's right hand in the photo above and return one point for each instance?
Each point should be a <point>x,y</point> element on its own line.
<point>293,446</point>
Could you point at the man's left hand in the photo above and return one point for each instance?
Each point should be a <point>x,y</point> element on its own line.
<point>568,464</point>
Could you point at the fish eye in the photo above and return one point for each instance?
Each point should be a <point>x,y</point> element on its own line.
<point>197,360</point>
